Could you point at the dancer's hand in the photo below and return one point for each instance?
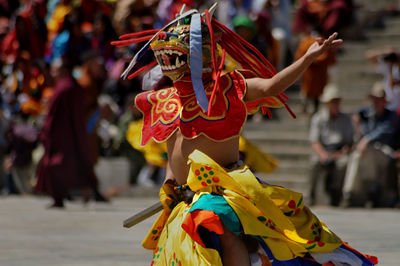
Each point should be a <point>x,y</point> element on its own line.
<point>320,46</point>
<point>258,88</point>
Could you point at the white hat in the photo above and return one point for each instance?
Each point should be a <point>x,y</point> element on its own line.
<point>377,90</point>
<point>330,93</point>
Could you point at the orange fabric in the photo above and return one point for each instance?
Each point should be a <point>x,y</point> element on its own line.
<point>316,76</point>
<point>373,259</point>
<point>207,219</point>
<point>273,52</point>
<point>265,261</point>
<point>32,107</point>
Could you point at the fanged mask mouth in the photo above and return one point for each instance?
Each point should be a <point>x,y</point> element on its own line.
<point>171,60</point>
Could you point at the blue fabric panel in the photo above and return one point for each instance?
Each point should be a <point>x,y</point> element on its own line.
<point>196,61</point>
<point>220,207</point>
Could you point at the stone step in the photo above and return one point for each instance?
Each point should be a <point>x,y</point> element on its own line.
<point>392,22</point>
<point>377,5</point>
<point>365,67</point>
<point>142,191</point>
<point>282,147</point>
<point>278,136</point>
<point>259,130</point>
<point>354,79</point>
<point>347,106</point>
<point>390,33</point>
<point>356,50</point>
<point>349,93</point>
<point>293,167</point>
<point>290,155</point>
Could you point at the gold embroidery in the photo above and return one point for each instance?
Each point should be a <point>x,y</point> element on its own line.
<point>165,108</point>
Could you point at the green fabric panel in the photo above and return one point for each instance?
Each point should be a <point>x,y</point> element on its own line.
<point>220,207</point>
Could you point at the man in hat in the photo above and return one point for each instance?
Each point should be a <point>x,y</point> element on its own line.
<point>331,137</point>
<point>372,174</point>
<point>387,62</point>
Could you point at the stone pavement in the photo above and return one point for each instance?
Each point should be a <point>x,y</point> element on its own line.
<point>93,235</point>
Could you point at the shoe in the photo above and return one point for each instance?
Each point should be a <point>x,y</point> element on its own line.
<point>98,197</point>
<point>56,206</point>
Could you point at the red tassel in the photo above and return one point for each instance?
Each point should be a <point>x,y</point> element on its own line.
<point>216,82</point>
<point>212,40</point>
<point>130,41</point>
<point>137,72</point>
<point>214,61</point>
<point>234,37</point>
<point>284,97</point>
<point>286,106</point>
<point>265,110</point>
<point>137,34</point>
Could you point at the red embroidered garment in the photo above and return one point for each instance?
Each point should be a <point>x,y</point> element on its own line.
<point>168,109</point>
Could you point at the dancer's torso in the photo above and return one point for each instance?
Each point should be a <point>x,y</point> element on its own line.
<point>223,152</point>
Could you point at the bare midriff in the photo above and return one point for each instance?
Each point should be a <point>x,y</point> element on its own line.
<point>179,148</point>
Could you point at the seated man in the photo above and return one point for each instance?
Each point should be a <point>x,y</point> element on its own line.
<point>372,173</point>
<point>331,136</point>
<point>215,210</point>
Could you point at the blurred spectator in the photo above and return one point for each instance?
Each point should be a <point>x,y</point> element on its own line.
<point>92,77</point>
<point>22,139</point>
<point>28,34</point>
<point>387,61</point>
<point>281,19</point>
<point>397,152</point>
<point>33,100</point>
<point>331,136</point>
<point>329,15</point>
<point>316,76</point>
<point>16,84</point>
<point>154,153</point>
<point>239,7</point>
<point>57,16</point>
<point>3,145</point>
<point>107,129</point>
<point>90,8</point>
<point>70,43</point>
<point>247,29</point>
<point>118,88</point>
<point>120,142</point>
<point>372,174</point>
<point>134,16</point>
<point>263,23</point>
<point>67,163</point>
<point>103,34</point>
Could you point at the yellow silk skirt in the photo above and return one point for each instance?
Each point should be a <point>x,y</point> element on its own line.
<point>273,214</point>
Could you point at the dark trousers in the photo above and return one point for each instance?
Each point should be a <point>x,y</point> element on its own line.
<point>327,182</point>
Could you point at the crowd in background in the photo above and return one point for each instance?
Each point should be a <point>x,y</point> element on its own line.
<point>56,54</point>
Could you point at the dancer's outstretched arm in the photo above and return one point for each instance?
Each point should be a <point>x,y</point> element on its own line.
<point>258,88</point>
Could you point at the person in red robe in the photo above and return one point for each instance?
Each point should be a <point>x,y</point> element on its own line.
<point>67,162</point>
